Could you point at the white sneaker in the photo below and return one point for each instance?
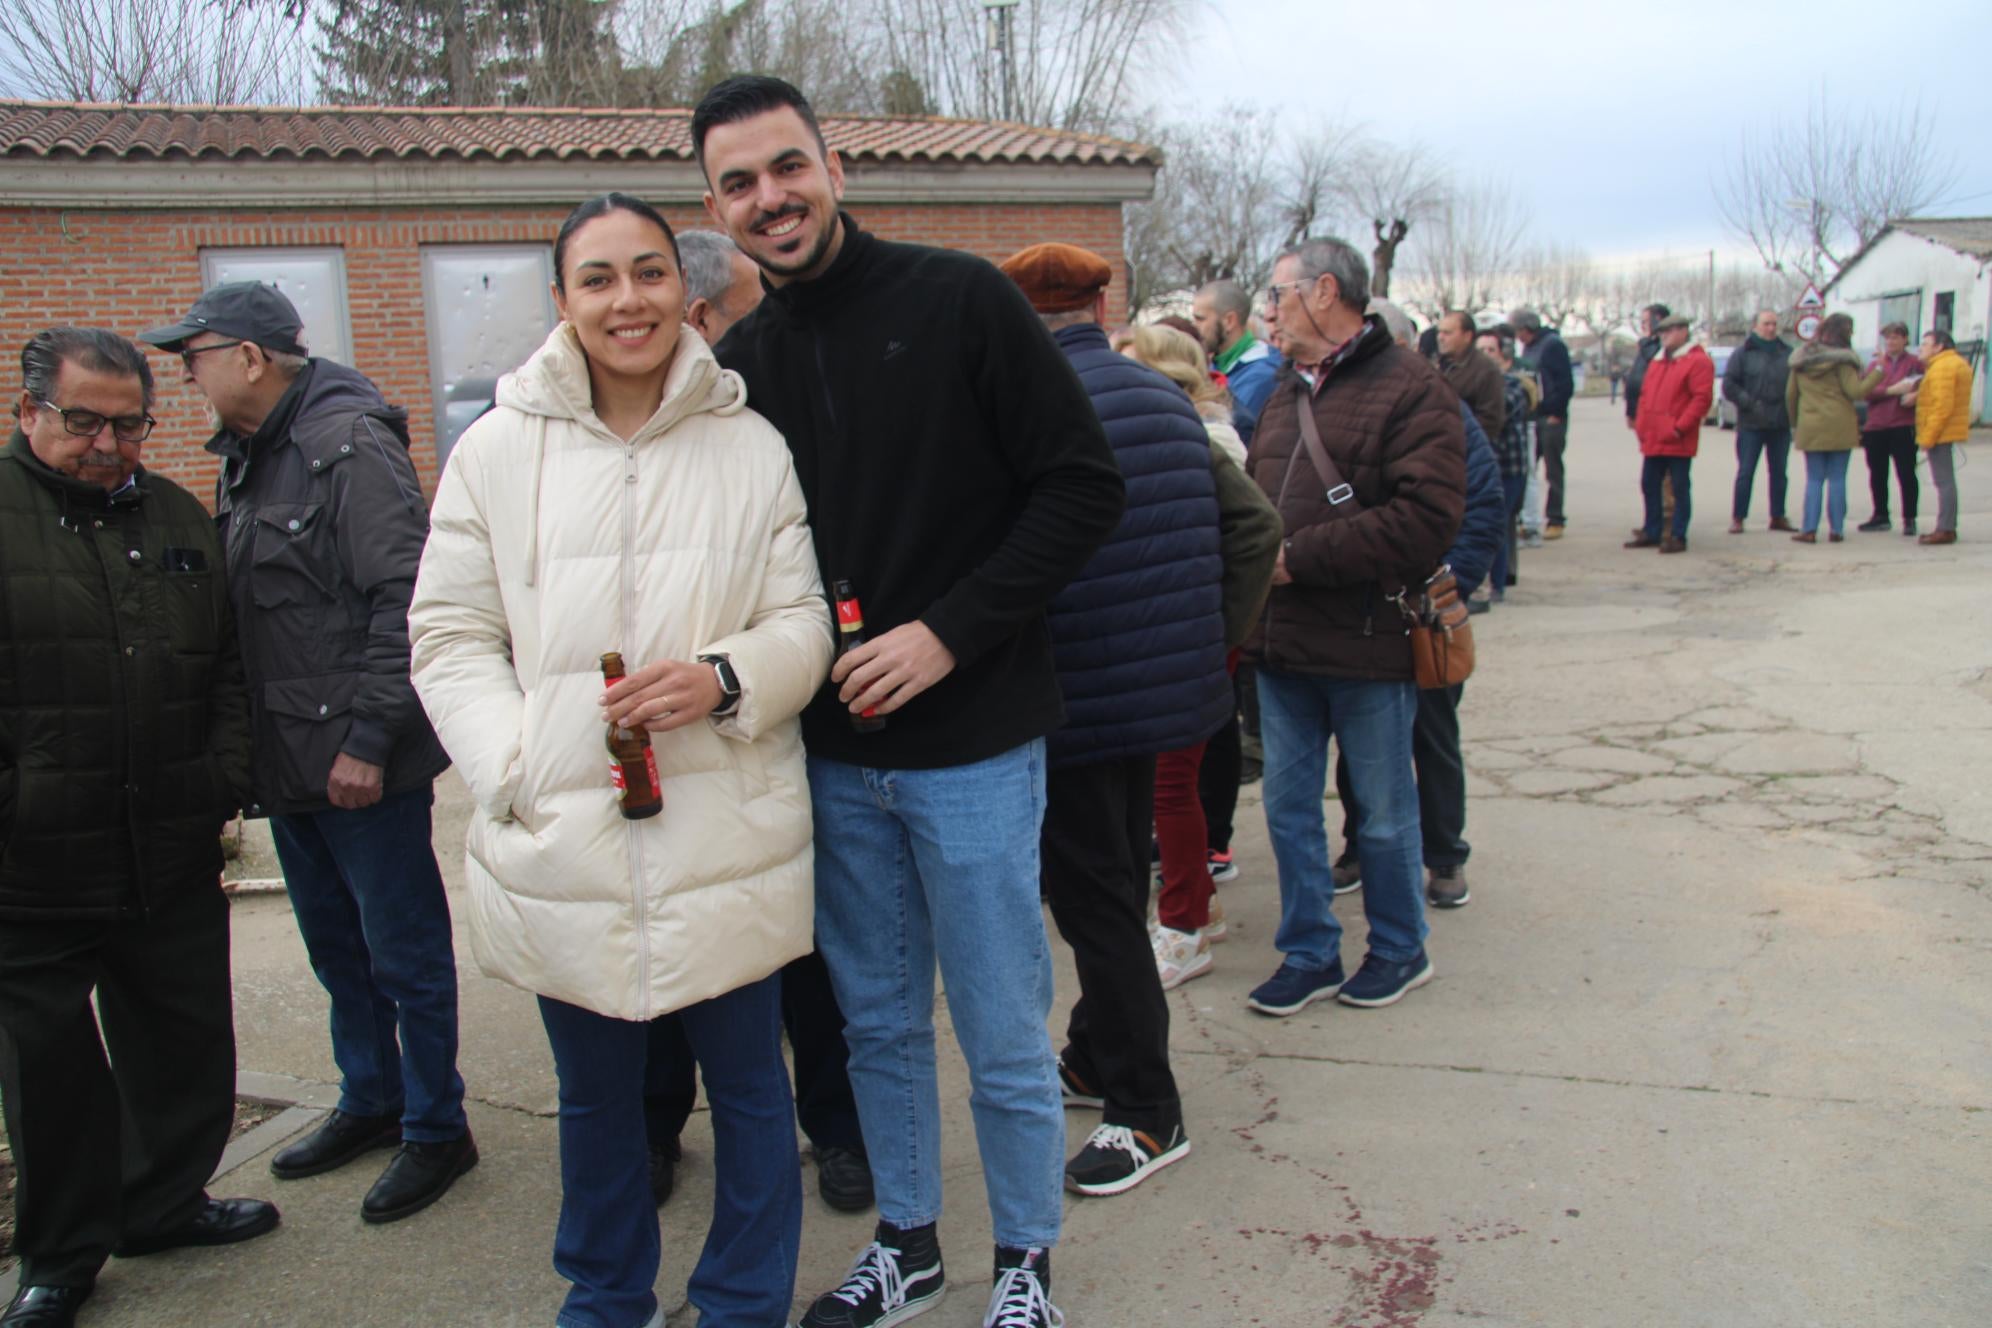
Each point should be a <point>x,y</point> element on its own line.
<point>1216,930</point>
<point>1180,956</point>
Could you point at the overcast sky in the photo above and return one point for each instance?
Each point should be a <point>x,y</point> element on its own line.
<point>1606,117</point>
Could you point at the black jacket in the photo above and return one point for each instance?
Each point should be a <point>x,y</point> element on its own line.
<point>1754,381</point>
<point>1139,633</point>
<point>1635,377</point>
<point>324,520</point>
<point>1551,359</point>
<point>956,475</point>
<point>124,727</point>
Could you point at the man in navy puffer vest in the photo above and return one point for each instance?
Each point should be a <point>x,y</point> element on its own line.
<point>1138,637</point>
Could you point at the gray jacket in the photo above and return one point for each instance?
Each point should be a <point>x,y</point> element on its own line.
<point>1754,382</point>
<point>322,522</point>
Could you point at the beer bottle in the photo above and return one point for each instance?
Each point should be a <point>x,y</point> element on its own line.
<point>851,635</point>
<point>632,762</point>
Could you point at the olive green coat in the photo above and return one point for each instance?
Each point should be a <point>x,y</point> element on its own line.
<point>124,722</point>
<point>1820,392</point>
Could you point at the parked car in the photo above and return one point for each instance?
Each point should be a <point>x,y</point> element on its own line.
<point>1721,411</point>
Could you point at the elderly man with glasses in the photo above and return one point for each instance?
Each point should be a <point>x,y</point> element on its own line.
<point>1362,447</point>
<point>323,520</point>
<point>124,749</point>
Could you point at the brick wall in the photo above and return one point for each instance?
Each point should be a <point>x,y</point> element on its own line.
<point>132,270</point>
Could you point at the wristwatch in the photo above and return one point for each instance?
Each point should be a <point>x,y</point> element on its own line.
<point>729,683</point>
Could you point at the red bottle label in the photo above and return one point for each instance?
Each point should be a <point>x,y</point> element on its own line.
<point>621,782</point>
<point>849,614</point>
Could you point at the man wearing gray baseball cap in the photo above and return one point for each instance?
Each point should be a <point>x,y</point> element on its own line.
<point>322,524</point>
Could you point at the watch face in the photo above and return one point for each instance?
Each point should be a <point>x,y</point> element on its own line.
<point>729,682</point>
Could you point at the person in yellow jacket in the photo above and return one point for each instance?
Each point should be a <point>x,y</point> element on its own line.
<point>1943,420</point>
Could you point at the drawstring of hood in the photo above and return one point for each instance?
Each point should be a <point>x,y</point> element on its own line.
<point>554,385</point>
<point>533,499</point>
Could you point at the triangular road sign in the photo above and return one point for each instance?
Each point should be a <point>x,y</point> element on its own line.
<point>1812,299</point>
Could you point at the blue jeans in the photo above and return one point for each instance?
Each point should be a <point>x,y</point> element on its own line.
<point>370,905</point>
<point>607,1243</point>
<point>915,866</point>
<point>1826,479</point>
<point>1774,445</point>
<point>1371,721</point>
<point>1676,468</point>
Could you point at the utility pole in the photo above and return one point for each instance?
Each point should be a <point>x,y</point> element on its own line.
<point>1000,41</point>
<point>1711,297</point>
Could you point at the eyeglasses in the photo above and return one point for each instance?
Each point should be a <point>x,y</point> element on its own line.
<point>187,355</point>
<point>88,423</point>
<point>1273,291</point>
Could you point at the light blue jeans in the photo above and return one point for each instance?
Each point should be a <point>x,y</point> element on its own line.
<point>1826,471</point>
<point>915,866</point>
<point>1372,723</point>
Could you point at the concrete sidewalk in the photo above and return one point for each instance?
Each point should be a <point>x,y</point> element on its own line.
<point>1708,1047</point>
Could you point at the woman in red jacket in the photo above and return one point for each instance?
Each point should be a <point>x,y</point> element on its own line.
<point>1680,383</point>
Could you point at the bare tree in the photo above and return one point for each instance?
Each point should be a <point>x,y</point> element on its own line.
<point>1216,212</point>
<point>1321,171</point>
<point>1555,280</point>
<point>1392,188</point>
<point>1466,253</point>
<point>1071,64</point>
<point>1808,195</point>
<point>210,52</point>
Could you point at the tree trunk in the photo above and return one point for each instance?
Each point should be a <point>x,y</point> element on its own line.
<point>456,54</point>
<point>1385,254</point>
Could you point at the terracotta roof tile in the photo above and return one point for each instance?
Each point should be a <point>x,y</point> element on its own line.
<point>50,129</point>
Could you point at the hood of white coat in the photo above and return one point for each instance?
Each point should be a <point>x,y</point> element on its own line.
<point>554,383</point>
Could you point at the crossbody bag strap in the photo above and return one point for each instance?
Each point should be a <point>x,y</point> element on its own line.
<point>1337,490</point>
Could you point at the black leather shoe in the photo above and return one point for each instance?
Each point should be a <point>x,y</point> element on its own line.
<point>44,1307</point>
<point>844,1178</point>
<point>220,1222</point>
<point>340,1139</point>
<point>419,1175</point>
<point>664,1170</point>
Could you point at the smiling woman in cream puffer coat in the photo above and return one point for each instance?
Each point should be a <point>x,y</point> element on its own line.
<point>622,498</point>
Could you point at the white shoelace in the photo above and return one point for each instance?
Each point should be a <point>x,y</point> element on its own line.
<point>1121,1137</point>
<point>1020,1302</point>
<point>877,1267</point>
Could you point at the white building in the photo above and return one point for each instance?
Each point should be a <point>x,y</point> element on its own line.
<point>1927,272</point>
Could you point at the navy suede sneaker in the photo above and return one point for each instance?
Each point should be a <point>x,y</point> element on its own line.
<point>1292,989</point>
<point>1381,982</point>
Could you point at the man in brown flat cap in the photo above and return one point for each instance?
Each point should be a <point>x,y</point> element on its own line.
<point>1138,637</point>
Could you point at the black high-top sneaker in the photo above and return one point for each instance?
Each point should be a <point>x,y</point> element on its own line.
<point>1022,1296</point>
<point>896,1278</point>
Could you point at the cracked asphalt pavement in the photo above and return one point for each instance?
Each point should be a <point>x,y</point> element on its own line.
<point>1709,1046</point>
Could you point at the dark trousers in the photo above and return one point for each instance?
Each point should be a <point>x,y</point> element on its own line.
<point>1095,854</point>
<point>607,1244</point>
<point>1217,783</point>
<point>370,905</point>
<point>1224,760</point>
<point>1441,775</point>
<point>1897,448</point>
<point>1671,470</point>
<point>1508,553</point>
<point>110,1150</point>
<point>1774,446</point>
<point>1549,446</point>
<point>824,1106</point>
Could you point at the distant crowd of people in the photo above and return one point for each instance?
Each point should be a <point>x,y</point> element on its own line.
<point>1070,587</point>
<point>1818,398</point>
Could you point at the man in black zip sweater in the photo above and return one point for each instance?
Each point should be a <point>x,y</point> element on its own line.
<point>958,477</point>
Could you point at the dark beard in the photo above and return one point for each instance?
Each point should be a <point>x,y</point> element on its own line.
<point>808,261</point>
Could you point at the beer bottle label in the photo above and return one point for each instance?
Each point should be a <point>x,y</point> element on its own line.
<point>849,614</point>
<point>620,779</point>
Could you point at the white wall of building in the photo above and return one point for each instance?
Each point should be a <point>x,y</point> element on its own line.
<point>1903,276</point>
